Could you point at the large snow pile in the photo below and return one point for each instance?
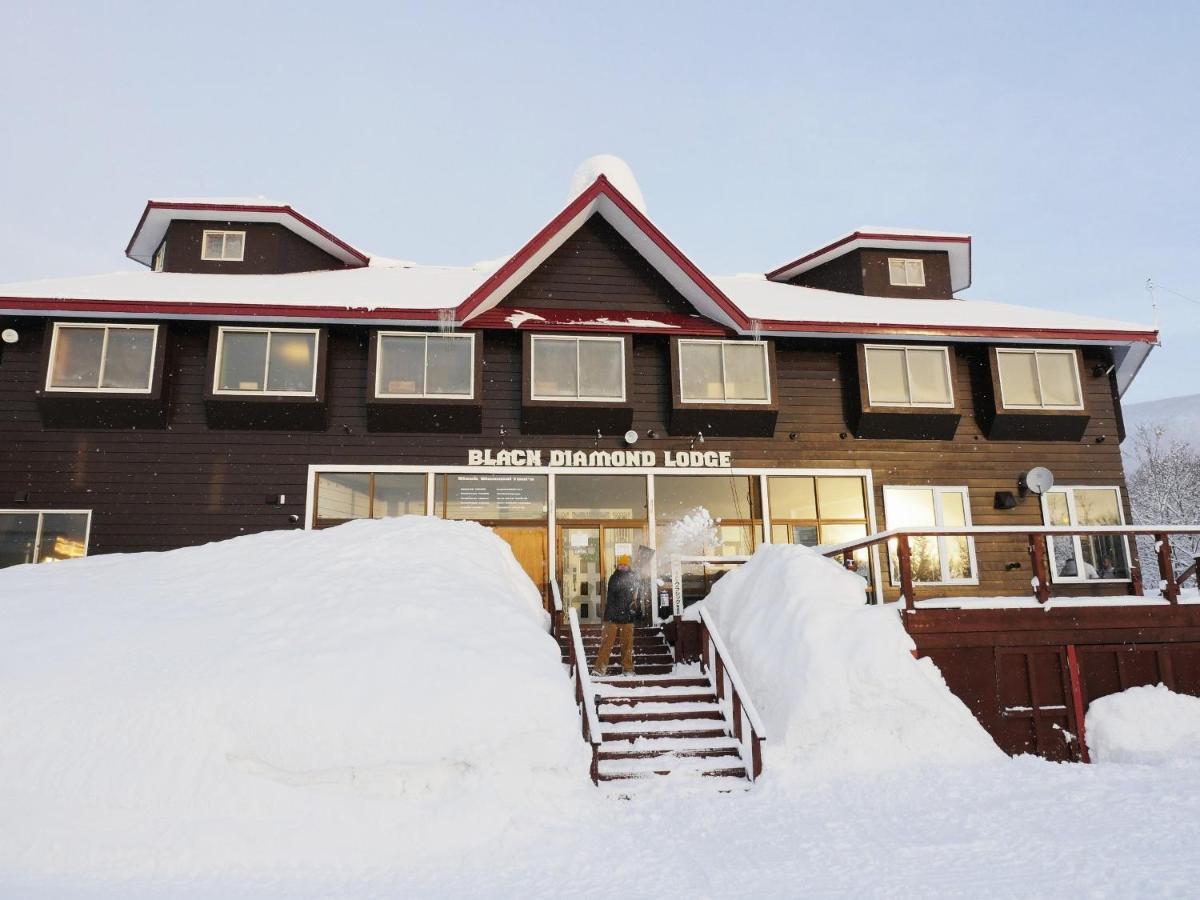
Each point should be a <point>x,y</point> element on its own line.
<point>1146,724</point>
<point>834,679</point>
<point>356,696</point>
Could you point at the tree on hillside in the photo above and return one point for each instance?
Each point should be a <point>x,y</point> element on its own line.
<point>1164,489</point>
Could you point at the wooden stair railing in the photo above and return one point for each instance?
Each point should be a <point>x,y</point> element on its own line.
<point>556,614</point>
<point>747,725</point>
<point>585,694</point>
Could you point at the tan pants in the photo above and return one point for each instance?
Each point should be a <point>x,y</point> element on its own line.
<point>607,638</point>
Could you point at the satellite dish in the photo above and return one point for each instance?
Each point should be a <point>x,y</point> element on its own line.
<point>9,335</point>
<point>1037,480</point>
<point>631,436</point>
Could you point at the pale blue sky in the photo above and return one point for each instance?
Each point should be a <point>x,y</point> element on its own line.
<point>1064,137</point>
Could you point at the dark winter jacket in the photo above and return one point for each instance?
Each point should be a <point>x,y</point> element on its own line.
<point>622,591</point>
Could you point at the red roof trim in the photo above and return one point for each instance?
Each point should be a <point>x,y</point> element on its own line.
<point>247,207</point>
<point>1065,334</point>
<point>213,310</point>
<point>601,186</point>
<point>868,236</point>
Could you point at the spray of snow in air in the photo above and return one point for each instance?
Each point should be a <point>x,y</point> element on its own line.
<point>692,535</point>
<point>616,170</point>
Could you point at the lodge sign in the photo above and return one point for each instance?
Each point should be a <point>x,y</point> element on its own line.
<point>603,459</point>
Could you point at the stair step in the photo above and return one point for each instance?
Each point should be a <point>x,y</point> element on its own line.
<point>642,669</point>
<point>706,705</point>
<point>731,772</point>
<point>655,695</point>
<point>706,752</point>
<point>673,681</point>
<point>711,714</point>
<point>635,731</point>
<point>660,743</point>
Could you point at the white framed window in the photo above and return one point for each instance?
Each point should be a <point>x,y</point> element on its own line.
<point>935,560</point>
<point>1078,558</point>
<point>43,535</point>
<point>724,372</point>
<point>272,361</point>
<point>906,272</point>
<point>1039,379</point>
<point>908,376</point>
<point>416,364</point>
<point>117,359</point>
<point>223,246</point>
<point>578,368</point>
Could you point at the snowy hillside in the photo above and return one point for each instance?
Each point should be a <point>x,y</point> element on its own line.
<point>1179,417</point>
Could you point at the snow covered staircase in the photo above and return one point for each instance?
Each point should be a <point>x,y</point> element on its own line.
<point>665,725</point>
<point>665,719</point>
<point>652,655</point>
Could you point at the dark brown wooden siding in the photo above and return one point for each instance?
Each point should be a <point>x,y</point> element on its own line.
<point>187,483</point>
<point>597,269</point>
<point>270,249</point>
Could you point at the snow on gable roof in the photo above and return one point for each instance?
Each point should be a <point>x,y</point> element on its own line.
<point>957,245</point>
<point>392,293</point>
<point>604,199</point>
<point>160,213</point>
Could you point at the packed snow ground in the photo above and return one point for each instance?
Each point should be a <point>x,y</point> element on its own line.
<point>233,721</point>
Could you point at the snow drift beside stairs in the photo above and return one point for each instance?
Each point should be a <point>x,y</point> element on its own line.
<point>362,695</point>
<point>1149,724</point>
<point>834,679</point>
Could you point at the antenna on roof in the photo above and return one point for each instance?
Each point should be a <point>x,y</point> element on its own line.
<point>1153,301</point>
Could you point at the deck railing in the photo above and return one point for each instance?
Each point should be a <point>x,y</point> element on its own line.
<point>1041,581</point>
<point>747,726</point>
<point>585,693</point>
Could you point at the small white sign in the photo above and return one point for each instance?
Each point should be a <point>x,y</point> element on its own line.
<point>579,538</point>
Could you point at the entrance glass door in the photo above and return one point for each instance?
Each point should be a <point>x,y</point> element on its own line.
<point>588,557</point>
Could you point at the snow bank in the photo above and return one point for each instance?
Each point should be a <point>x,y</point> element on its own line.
<point>834,679</point>
<point>1144,725</point>
<point>363,695</point>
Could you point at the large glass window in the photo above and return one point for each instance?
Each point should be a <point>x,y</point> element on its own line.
<point>1092,557</point>
<point>266,361</point>
<point>821,509</point>
<point>578,368</point>
<point>223,246</point>
<point>935,560</point>
<point>1039,379</point>
<point>116,358</point>
<point>730,500</point>
<point>425,365</point>
<point>364,495</point>
<point>38,536</point>
<point>723,372</point>
<point>492,497</point>
<point>597,497</point>
<point>908,376</point>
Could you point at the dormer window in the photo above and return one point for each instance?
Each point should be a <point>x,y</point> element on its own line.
<point>1039,379</point>
<point>223,246</point>
<point>724,372</point>
<point>272,361</point>
<point>589,369</point>
<point>908,376</point>
<point>906,272</point>
<point>117,359</point>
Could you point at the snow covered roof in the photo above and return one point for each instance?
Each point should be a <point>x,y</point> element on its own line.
<point>396,292</point>
<point>160,213</point>
<point>878,236</point>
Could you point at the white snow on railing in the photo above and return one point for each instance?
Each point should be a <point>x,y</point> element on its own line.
<point>734,678</point>
<point>556,595</point>
<point>981,530</point>
<point>585,678</point>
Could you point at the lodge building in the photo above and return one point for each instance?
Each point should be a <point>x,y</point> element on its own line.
<point>582,396</point>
